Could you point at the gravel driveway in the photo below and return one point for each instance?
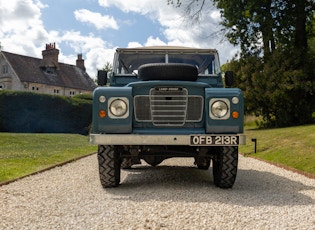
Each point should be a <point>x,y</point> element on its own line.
<point>164,197</point>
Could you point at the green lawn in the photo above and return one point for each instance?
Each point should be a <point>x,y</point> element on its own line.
<point>22,154</point>
<point>293,147</point>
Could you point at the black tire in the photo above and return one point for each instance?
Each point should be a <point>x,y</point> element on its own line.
<point>168,71</point>
<point>202,163</point>
<point>225,166</point>
<point>109,166</point>
<point>153,160</point>
<point>126,163</point>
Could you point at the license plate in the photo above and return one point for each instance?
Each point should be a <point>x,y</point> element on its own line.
<point>214,140</point>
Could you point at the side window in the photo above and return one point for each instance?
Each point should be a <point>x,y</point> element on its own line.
<point>5,69</point>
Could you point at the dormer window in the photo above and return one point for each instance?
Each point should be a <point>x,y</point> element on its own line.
<point>50,71</point>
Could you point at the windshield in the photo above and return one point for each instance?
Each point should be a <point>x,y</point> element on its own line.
<point>130,62</point>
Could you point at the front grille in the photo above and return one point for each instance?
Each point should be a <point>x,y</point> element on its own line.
<point>168,106</point>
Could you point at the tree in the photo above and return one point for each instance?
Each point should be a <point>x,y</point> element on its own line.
<point>311,39</point>
<point>276,69</point>
<point>108,67</point>
<point>259,27</point>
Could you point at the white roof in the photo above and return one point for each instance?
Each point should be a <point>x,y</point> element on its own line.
<point>166,49</point>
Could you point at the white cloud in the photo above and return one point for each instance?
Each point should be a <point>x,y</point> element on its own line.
<point>95,50</point>
<point>103,3</point>
<point>177,29</point>
<point>97,58</point>
<point>216,15</point>
<point>96,19</point>
<point>150,42</point>
<point>155,42</point>
<point>137,6</point>
<point>22,30</point>
<point>134,45</point>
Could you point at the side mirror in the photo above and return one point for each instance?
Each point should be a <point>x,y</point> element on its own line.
<point>101,77</point>
<point>229,78</point>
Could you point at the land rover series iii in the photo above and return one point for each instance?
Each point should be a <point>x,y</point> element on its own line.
<point>163,102</point>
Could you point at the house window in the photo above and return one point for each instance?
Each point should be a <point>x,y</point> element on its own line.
<point>56,91</point>
<point>72,93</point>
<point>5,69</point>
<point>35,88</point>
<point>50,70</point>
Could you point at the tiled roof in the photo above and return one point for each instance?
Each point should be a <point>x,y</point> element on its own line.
<point>29,69</point>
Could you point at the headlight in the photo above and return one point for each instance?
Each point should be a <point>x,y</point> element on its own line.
<point>219,108</point>
<point>118,107</point>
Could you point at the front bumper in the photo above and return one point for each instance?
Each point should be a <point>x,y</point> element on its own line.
<point>140,139</point>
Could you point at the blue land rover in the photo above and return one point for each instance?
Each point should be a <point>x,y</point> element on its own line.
<point>162,102</point>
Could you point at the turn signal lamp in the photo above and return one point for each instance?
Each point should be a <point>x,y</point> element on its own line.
<point>235,114</point>
<point>102,113</point>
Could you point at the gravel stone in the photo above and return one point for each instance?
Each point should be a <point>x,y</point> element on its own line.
<point>163,197</point>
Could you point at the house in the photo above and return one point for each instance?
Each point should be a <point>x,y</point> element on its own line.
<point>46,75</point>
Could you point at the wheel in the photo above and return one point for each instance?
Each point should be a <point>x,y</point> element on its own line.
<point>168,71</point>
<point>202,163</point>
<point>153,160</point>
<point>109,166</point>
<point>126,163</point>
<point>225,166</point>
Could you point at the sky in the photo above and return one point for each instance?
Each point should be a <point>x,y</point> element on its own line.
<point>95,28</point>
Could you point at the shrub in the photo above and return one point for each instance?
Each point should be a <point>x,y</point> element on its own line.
<point>41,113</point>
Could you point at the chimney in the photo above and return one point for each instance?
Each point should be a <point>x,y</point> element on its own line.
<point>50,56</point>
<point>80,62</point>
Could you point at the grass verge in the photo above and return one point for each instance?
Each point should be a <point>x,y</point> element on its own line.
<point>23,154</point>
<point>293,147</point>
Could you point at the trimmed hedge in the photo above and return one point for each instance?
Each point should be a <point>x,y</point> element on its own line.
<point>25,112</point>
